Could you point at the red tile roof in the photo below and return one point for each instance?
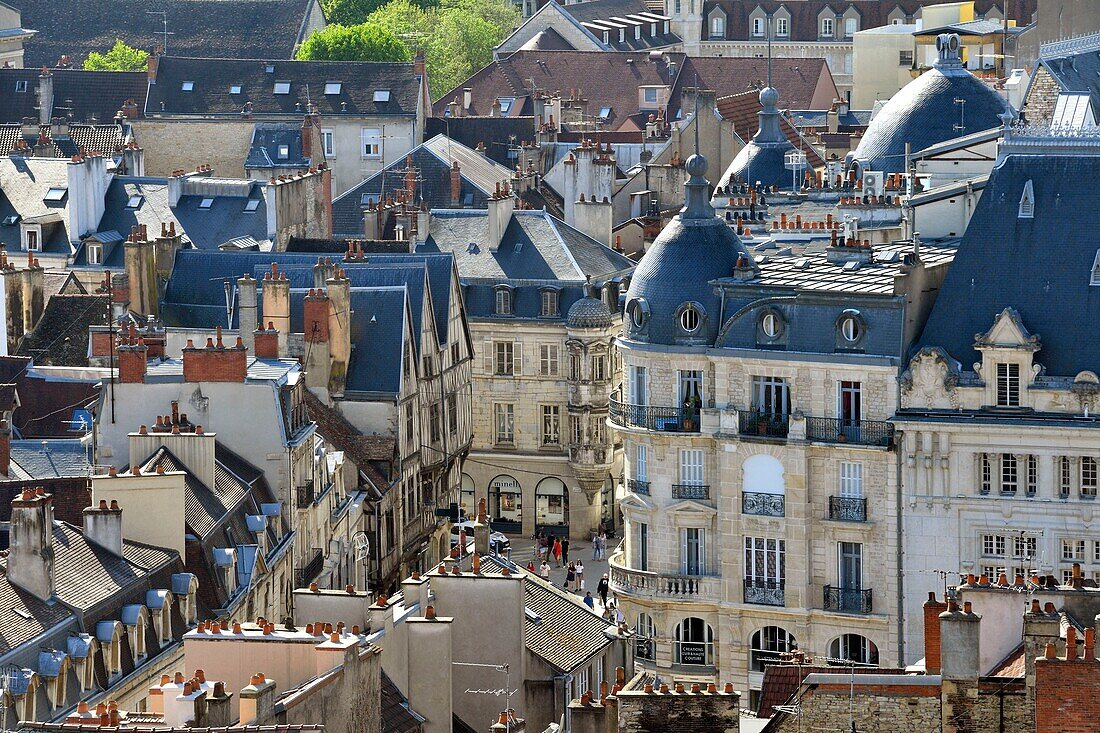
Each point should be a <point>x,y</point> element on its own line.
<point>781,681</point>
<point>802,83</point>
<point>371,454</point>
<point>741,109</point>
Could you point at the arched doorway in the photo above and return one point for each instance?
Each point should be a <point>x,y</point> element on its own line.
<point>768,646</point>
<point>694,643</point>
<point>552,506</point>
<point>505,504</point>
<point>853,648</point>
<point>467,498</point>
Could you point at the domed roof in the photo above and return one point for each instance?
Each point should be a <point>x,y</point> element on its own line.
<point>763,159</point>
<point>674,275</point>
<point>589,312</point>
<point>926,112</point>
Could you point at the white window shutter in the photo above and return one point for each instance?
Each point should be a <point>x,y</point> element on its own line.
<point>517,358</point>
<point>703,552</point>
<point>683,552</point>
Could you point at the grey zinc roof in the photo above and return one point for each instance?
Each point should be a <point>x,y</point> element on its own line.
<point>1042,267</point>
<point>377,328</point>
<point>23,184</point>
<point>267,140</point>
<point>925,113</point>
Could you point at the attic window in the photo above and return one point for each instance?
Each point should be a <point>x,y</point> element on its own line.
<point>282,87</point>
<point>605,113</point>
<point>251,204</point>
<point>1027,202</point>
<point>506,105</point>
<point>284,152</point>
<point>234,88</point>
<point>332,87</point>
<point>55,194</point>
<point>21,85</point>
<point>188,86</point>
<point>134,201</point>
<point>270,68</point>
<point>206,203</point>
<point>11,220</point>
<point>381,95</point>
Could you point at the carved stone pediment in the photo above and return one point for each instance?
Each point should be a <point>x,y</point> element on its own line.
<point>1008,332</point>
<point>930,380</point>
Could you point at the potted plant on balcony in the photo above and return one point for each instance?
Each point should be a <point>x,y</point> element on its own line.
<point>762,420</point>
<point>691,413</point>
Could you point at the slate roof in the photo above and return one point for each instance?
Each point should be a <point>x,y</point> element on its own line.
<point>24,616</point>
<point>1075,66</point>
<point>268,140</point>
<point>397,716</point>
<point>213,77</point>
<point>1007,262</point>
<point>873,13</point>
<point>83,96</point>
<point>23,187</point>
<point>925,113</point>
<point>48,403</point>
<point>796,79</point>
<point>432,161</point>
<point>600,15</point>
<point>105,139</point>
<point>566,633</point>
<point>547,40</point>
<point>378,328</point>
<point>60,338</point>
<point>64,458</point>
<point>497,133</point>
<point>237,29</point>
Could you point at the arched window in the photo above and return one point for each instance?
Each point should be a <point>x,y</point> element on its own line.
<point>694,642</point>
<point>718,26</point>
<point>646,644</point>
<point>551,502</point>
<point>763,488</point>
<point>505,501</point>
<point>768,645</point>
<point>853,648</point>
<point>468,502</point>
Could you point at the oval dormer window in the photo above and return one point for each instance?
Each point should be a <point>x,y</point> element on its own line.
<point>689,319</point>
<point>638,311</point>
<point>637,317</point>
<point>850,330</point>
<point>769,324</point>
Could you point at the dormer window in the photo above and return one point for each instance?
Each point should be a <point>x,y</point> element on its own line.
<point>718,26</point>
<point>503,301</point>
<point>758,27</point>
<point>605,114</point>
<point>690,318</point>
<point>188,86</point>
<point>1008,385</point>
<point>850,330</point>
<point>782,27</point>
<point>851,25</point>
<point>548,303</point>
<point>95,253</point>
<point>637,32</point>
<point>1027,202</point>
<point>21,85</point>
<point>827,27</point>
<point>506,105</point>
<point>607,37</point>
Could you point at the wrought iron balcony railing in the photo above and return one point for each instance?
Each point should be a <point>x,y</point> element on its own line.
<point>764,424</point>
<point>652,417</point>
<point>847,600</point>
<point>690,491</point>
<point>762,505</point>
<point>858,432</point>
<point>764,592</point>
<point>638,487</point>
<point>848,508</point>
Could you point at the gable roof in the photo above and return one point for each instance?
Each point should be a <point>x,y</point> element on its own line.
<point>212,79</point>
<point>237,29</point>
<point>803,83</point>
<point>471,130</point>
<point>432,161</point>
<point>82,96</point>
<point>1005,262</point>
<point>24,183</point>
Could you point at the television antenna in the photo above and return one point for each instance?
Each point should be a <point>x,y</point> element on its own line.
<point>164,33</point>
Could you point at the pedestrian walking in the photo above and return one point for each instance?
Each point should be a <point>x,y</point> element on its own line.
<point>565,549</point>
<point>570,577</point>
<point>556,552</point>
<point>589,600</point>
<point>531,566</point>
<point>579,567</point>
<point>544,571</point>
<point>595,545</point>
<point>602,589</point>
<point>603,544</point>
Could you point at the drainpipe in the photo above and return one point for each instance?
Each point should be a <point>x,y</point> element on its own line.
<point>899,533</point>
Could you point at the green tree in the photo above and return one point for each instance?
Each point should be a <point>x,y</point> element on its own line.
<point>363,42</point>
<point>120,58</point>
<point>350,12</point>
<point>406,20</point>
<point>461,45</point>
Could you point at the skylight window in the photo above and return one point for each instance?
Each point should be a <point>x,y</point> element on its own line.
<point>134,201</point>
<point>333,87</point>
<point>381,95</point>
<point>284,152</point>
<point>506,104</point>
<point>605,113</point>
<point>188,86</point>
<point>206,203</point>
<point>251,204</point>
<point>11,220</point>
<point>234,88</point>
<point>55,194</point>
<point>282,87</point>
<point>21,85</point>
<point>270,68</point>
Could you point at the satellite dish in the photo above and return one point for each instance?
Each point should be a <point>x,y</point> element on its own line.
<point>362,545</point>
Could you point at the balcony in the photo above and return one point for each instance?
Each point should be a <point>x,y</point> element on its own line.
<point>691,491</point>
<point>764,592</point>
<point>645,583</point>
<point>857,432</point>
<point>762,505</point>
<point>847,509</point>
<point>650,417</point>
<point>304,496</point>
<point>637,487</point>
<point>311,568</point>
<point>764,424</point>
<point>847,600</point>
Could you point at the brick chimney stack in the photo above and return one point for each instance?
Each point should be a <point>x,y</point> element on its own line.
<point>30,553</point>
<point>266,342</point>
<point>456,185</point>
<point>316,314</point>
<point>133,357</point>
<point>257,701</point>
<point>932,610</point>
<point>216,362</point>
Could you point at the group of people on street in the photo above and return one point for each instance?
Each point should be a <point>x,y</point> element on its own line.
<point>551,548</point>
